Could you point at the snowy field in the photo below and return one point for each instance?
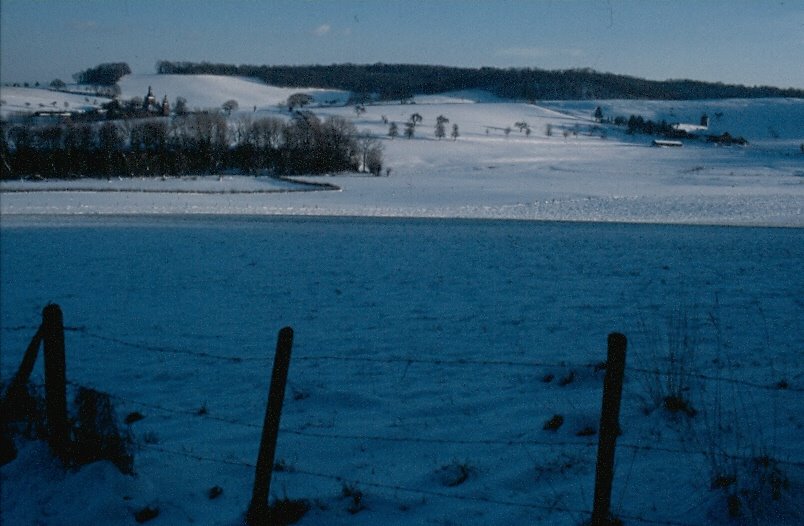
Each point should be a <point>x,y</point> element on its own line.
<point>422,349</point>
<point>443,314</point>
<point>572,175</point>
<point>205,184</point>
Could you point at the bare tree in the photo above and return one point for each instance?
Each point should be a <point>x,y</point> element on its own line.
<point>338,140</point>
<point>370,150</point>
<point>229,106</point>
<point>241,129</point>
<point>180,107</point>
<point>440,130</point>
<point>266,132</point>
<point>410,129</point>
<point>374,160</point>
<point>298,100</point>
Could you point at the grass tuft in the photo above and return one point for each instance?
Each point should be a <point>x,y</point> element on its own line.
<point>554,423</point>
<point>455,473</point>
<point>355,495</point>
<point>146,514</point>
<point>96,435</point>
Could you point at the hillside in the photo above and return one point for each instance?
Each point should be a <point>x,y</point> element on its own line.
<point>401,81</point>
<point>200,91</point>
<point>765,121</point>
<point>450,315</point>
<point>772,120</point>
<point>600,174</point>
<point>24,101</point>
<point>210,91</point>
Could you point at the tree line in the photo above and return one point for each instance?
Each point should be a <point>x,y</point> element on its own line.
<point>188,144</point>
<point>403,81</point>
<point>638,124</point>
<point>106,74</point>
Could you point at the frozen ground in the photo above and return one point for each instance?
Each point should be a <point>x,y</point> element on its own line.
<point>205,184</point>
<point>211,91</point>
<point>199,91</point>
<point>423,350</point>
<point>572,175</point>
<point>427,329</point>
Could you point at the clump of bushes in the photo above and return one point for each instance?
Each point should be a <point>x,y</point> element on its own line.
<point>355,498</point>
<point>455,473</point>
<point>638,124</point>
<point>755,488</point>
<point>93,434</point>
<point>726,139</point>
<point>96,435</point>
<point>670,386</point>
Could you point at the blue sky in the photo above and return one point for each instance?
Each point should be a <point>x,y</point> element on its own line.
<point>748,42</point>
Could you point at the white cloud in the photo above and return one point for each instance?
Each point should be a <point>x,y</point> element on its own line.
<point>322,30</point>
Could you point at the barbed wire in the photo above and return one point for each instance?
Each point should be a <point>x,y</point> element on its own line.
<point>408,361</point>
<point>369,359</point>
<point>397,488</point>
<point>163,350</point>
<point>346,436</point>
<point>436,440</point>
<point>778,386</point>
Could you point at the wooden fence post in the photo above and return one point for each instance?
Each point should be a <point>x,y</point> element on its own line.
<point>258,509</point>
<point>609,429</point>
<point>13,405</point>
<point>17,385</point>
<point>55,380</point>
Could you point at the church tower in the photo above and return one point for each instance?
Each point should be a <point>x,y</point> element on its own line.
<point>149,101</point>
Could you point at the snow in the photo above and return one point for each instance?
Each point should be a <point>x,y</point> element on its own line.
<point>207,184</point>
<point>211,91</point>
<point>21,101</point>
<point>691,128</point>
<point>421,345</point>
<point>200,91</point>
<point>430,308</point>
<point>458,97</point>
<point>486,174</point>
<point>764,122</point>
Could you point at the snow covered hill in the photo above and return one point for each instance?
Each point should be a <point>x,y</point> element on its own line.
<point>432,349</point>
<point>560,165</point>
<point>25,101</point>
<point>200,91</point>
<point>764,121</point>
<point>210,91</point>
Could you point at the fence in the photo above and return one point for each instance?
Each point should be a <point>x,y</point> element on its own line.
<point>51,334</point>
